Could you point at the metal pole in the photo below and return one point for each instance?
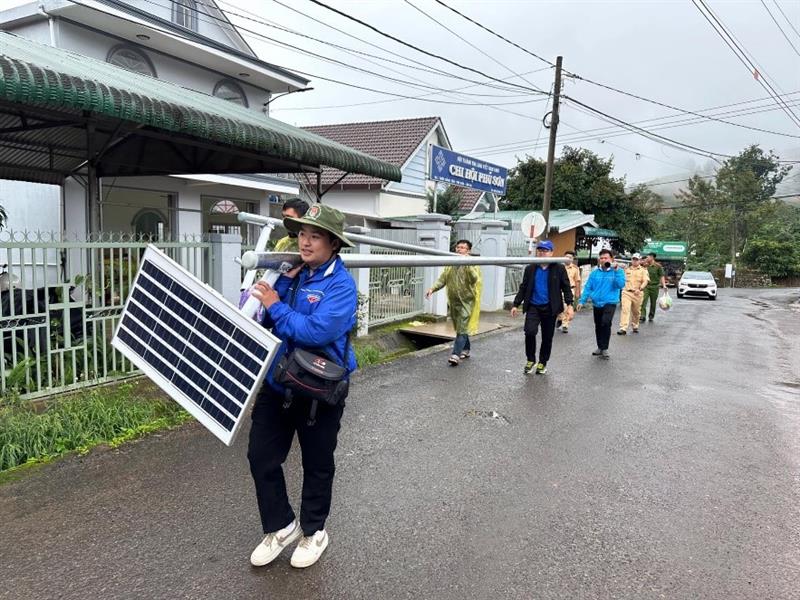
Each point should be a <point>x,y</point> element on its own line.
<point>274,260</point>
<point>551,151</point>
<point>356,237</point>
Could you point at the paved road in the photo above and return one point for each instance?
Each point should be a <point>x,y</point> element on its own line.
<point>670,471</point>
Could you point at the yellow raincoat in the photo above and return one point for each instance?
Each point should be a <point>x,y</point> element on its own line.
<point>287,244</point>
<point>464,285</point>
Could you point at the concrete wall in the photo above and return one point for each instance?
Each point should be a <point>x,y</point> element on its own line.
<point>397,205</point>
<point>207,24</point>
<point>357,202</point>
<point>95,45</point>
<point>32,206</point>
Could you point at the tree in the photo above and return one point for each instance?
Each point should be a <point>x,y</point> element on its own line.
<point>721,218</point>
<point>773,258</point>
<point>447,201</point>
<point>584,181</point>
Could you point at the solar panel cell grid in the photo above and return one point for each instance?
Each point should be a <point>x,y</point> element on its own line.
<point>210,358</point>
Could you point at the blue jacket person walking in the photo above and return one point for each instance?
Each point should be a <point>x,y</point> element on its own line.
<point>313,308</point>
<point>603,288</point>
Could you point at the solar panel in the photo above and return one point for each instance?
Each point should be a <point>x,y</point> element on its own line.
<point>194,344</point>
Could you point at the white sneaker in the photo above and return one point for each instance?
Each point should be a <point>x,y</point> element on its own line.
<point>310,549</point>
<point>274,543</point>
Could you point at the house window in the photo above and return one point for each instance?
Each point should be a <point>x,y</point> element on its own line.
<point>225,207</point>
<point>230,91</point>
<point>184,13</point>
<point>132,59</point>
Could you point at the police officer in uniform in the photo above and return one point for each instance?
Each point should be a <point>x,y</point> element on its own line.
<point>574,275</point>
<point>636,280</point>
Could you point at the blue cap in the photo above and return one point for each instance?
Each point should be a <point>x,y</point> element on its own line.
<point>545,245</point>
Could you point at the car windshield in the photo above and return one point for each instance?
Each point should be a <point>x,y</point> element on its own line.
<point>697,275</point>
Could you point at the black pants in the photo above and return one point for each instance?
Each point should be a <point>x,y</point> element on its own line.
<point>603,316</point>
<point>270,440</point>
<point>539,316</point>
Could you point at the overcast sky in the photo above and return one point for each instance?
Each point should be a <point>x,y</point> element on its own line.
<point>666,51</point>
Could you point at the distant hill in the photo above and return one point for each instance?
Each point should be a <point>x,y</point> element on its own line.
<point>668,186</point>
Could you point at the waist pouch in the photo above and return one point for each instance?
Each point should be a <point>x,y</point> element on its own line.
<point>313,377</point>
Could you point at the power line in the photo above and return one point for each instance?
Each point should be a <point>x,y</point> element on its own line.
<point>681,110</point>
<point>720,30</point>
<point>336,81</point>
<point>778,25</point>
<point>494,33</point>
<point>612,132</point>
<point>250,16</point>
<point>788,20</point>
<point>268,39</point>
<point>354,104</point>
<point>663,122</point>
<point>416,48</point>
<point>470,44</point>
<point>514,44</point>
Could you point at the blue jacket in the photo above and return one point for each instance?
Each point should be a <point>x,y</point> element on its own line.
<point>323,312</point>
<point>603,287</point>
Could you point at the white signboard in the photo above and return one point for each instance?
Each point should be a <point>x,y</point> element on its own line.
<point>728,271</point>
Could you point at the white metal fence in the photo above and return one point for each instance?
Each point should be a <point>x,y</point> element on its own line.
<point>395,293</point>
<point>517,246</point>
<point>60,302</point>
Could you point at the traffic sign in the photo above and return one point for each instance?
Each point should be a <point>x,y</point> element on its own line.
<point>533,225</point>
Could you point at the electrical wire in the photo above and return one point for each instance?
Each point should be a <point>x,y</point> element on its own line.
<point>778,25</point>
<point>788,20</point>
<point>607,132</point>
<point>720,30</point>
<point>417,48</point>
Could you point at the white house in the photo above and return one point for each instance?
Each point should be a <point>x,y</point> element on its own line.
<point>185,42</point>
<point>401,142</point>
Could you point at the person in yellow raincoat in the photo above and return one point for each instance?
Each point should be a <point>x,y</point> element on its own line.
<point>464,286</point>
<point>294,208</point>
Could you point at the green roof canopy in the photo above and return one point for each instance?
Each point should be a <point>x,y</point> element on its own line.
<point>59,108</point>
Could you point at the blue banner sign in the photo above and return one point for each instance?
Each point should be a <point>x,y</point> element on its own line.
<point>459,169</point>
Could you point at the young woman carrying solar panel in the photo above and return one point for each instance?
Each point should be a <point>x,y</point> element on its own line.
<point>312,309</point>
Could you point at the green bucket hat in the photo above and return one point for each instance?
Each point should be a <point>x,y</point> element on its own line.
<point>322,216</point>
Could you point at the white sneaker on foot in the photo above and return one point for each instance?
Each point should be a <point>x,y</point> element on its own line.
<point>274,543</point>
<point>310,549</point>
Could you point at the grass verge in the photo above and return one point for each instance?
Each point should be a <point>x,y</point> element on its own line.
<point>111,415</point>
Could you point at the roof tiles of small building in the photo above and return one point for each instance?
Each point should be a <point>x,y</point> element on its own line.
<point>469,198</point>
<point>392,142</point>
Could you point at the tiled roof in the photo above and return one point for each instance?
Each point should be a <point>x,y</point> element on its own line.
<point>469,197</point>
<point>388,141</point>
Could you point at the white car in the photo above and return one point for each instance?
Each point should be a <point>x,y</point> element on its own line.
<point>697,283</point>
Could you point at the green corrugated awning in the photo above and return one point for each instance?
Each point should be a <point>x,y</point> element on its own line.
<point>52,99</point>
<point>599,232</point>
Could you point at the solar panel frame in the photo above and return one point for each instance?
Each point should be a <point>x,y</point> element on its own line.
<point>194,344</point>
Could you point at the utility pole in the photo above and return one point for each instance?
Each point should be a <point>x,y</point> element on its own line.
<point>551,151</point>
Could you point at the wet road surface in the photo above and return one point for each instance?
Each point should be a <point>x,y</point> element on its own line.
<point>670,471</point>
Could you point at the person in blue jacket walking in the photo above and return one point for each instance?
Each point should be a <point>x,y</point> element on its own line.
<point>313,307</point>
<point>603,288</point>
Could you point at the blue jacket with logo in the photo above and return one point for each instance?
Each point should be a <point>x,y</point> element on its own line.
<point>319,319</point>
<point>603,287</point>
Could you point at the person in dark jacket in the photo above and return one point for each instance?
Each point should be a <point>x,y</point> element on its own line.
<point>313,307</point>
<point>540,295</point>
